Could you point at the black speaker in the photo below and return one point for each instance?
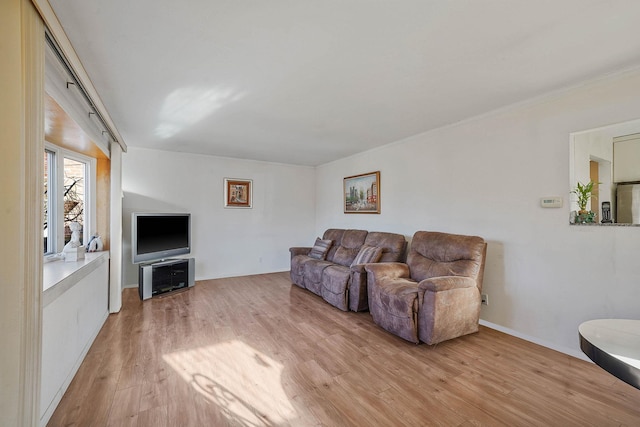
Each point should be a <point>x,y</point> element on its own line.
<point>161,277</point>
<point>606,213</point>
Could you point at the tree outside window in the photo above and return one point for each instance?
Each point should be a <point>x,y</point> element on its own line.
<point>73,196</point>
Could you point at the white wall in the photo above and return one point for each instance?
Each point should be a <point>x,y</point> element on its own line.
<point>226,242</point>
<point>485,177</point>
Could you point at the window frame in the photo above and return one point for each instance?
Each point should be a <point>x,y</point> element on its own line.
<point>56,202</point>
<point>52,190</point>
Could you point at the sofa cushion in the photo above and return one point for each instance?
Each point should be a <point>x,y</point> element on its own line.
<point>320,248</point>
<point>335,235</point>
<point>345,256</point>
<point>313,273</point>
<point>394,305</point>
<point>398,297</point>
<point>297,269</point>
<point>367,254</point>
<point>335,285</point>
<point>314,267</point>
<point>336,278</point>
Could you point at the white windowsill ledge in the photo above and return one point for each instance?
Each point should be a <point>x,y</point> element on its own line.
<point>59,276</point>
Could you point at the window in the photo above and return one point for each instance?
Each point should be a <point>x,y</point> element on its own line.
<point>49,176</point>
<point>69,185</point>
<point>73,195</point>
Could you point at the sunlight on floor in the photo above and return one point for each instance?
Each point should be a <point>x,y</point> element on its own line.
<point>244,383</point>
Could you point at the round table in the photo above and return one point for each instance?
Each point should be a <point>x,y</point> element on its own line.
<point>613,344</point>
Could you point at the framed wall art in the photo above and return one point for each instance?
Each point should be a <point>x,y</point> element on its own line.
<point>238,193</point>
<point>362,193</point>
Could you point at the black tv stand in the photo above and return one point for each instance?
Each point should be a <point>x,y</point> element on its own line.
<point>161,277</point>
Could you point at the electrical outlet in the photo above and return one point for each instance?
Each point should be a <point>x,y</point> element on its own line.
<point>484,299</point>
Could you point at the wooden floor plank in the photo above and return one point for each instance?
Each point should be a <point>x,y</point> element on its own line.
<point>259,351</point>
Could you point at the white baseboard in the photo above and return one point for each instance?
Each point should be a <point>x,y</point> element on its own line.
<point>535,340</point>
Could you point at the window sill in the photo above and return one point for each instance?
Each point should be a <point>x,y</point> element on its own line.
<point>59,276</point>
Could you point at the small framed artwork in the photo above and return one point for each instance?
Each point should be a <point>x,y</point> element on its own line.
<point>238,193</point>
<point>362,193</point>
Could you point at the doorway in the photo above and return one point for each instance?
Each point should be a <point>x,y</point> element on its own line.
<point>594,176</point>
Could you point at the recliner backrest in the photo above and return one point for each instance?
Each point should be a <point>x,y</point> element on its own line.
<point>335,235</point>
<point>346,245</point>
<point>436,254</point>
<point>393,245</point>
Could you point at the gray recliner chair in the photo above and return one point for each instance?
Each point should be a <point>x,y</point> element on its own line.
<point>435,296</point>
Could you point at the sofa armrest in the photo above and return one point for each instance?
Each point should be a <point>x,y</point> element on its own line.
<point>358,268</point>
<point>448,307</point>
<point>446,283</point>
<point>391,270</point>
<point>299,251</point>
<point>358,300</point>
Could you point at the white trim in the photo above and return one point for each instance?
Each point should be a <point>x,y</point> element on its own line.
<point>535,340</point>
<point>52,196</point>
<point>115,231</point>
<point>33,143</point>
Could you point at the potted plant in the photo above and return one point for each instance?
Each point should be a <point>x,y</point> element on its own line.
<point>584,192</point>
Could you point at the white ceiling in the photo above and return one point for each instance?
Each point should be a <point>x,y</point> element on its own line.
<point>307,82</point>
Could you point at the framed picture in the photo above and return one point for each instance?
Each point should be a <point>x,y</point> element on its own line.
<point>362,193</point>
<point>238,193</point>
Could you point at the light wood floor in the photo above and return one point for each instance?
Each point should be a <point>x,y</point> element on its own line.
<point>258,351</point>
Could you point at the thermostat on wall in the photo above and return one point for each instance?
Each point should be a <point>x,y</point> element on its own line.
<point>551,202</point>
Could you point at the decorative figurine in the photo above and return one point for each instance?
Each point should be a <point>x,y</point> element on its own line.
<point>95,244</point>
<point>74,251</point>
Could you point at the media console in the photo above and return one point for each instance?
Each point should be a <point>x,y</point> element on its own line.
<point>161,277</point>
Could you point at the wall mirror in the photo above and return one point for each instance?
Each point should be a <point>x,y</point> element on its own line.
<point>609,156</point>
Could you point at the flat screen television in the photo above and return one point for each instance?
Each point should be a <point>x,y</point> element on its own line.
<point>156,236</point>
